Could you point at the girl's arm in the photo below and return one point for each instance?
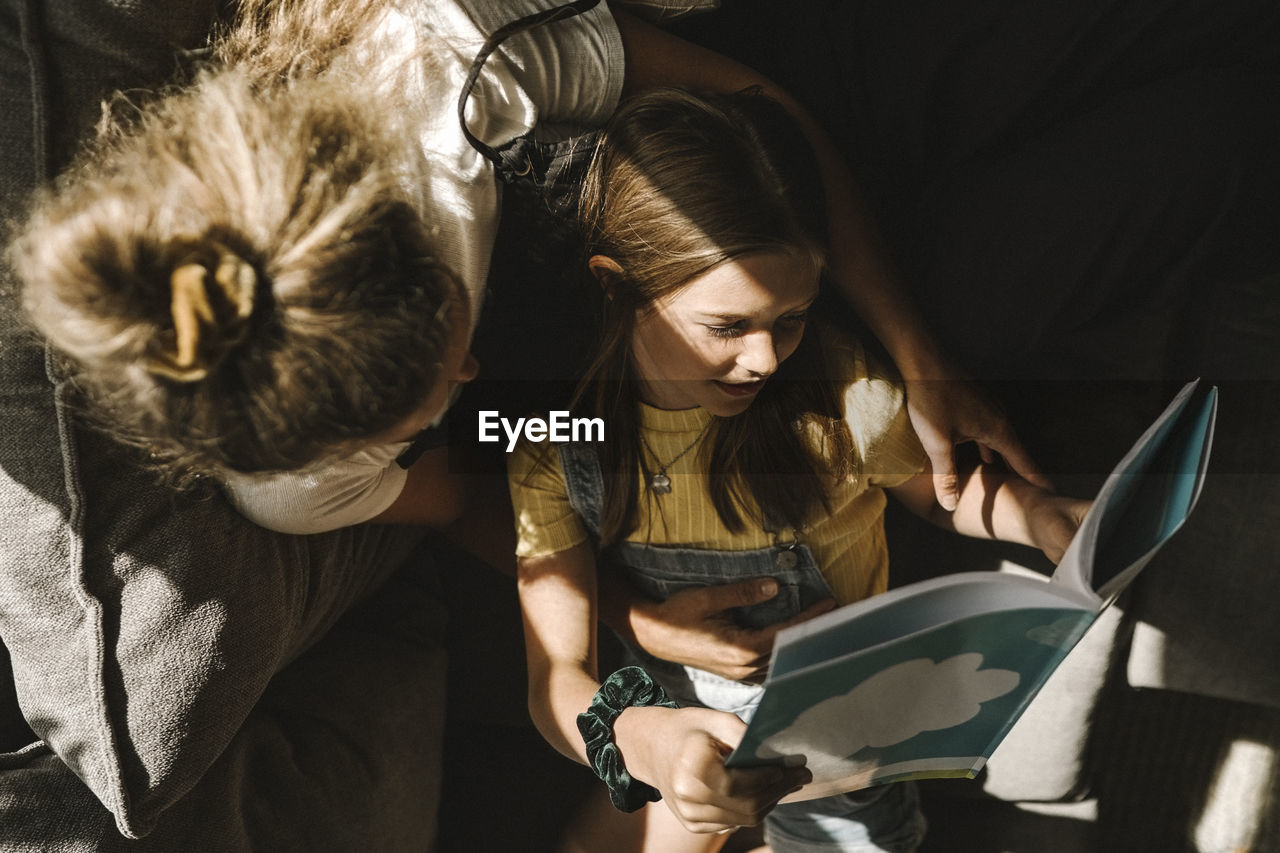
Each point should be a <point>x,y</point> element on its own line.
<point>945,407</point>
<point>678,751</point>
<point>558,602</point>
<point>995,504</point>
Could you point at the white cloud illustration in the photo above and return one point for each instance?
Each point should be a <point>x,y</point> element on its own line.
<point>890,707</point>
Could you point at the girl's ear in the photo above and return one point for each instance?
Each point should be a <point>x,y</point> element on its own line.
<point>606,271</point>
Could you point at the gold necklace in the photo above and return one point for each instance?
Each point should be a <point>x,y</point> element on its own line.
<point>660,483</point>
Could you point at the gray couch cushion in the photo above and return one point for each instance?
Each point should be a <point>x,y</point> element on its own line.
<point>342,752</point>
<point>1206,608</point>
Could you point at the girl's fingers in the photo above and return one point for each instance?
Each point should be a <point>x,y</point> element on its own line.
<point>716,797</point>
<point>751,800</point>
<point>774,781</point>
<point>684,755</point>
<point>986,453</point>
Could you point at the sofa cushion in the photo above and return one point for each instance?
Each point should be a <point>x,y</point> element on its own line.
<point>143,628</point>
<point>1205,605</point>
<point>342,752</point>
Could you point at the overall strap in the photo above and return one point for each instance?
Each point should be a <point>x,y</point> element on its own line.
<point>583,482</point>
<point>512,159</point>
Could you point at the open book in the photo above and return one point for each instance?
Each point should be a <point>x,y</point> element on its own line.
<point>926,680</point>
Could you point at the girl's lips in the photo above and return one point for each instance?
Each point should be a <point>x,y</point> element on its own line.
<point>740,389</point>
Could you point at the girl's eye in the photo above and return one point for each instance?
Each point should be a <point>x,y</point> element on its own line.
<point>731,331</point>
<point>797,319</point>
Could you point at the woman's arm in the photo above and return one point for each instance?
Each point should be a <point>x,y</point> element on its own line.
<point>678,751</point>
<point>433,496</point>
<point>995,504</point>
<point>945,407</point>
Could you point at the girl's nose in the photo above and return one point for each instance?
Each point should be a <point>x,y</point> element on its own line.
<point>759,355</point>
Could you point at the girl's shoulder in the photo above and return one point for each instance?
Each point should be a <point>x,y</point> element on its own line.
<point>873,394</point>
<point>862,374</point>
<point>535,465</point>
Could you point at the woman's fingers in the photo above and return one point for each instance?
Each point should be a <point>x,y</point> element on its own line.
<point>953,411</point>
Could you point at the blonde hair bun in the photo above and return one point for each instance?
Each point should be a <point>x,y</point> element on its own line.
<point>212,295</point>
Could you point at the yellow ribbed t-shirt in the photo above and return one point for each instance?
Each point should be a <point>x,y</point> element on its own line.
<point>848,543</point>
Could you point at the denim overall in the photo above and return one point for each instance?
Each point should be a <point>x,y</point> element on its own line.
<point>885,818</point>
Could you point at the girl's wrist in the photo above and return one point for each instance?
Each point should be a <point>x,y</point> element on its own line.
<point>1029,499</point>
<point>632,732</point>
<point>1051,520</point>
<point>621,694</point>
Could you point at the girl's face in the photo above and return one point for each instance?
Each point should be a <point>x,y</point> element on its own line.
<point>716,341</point>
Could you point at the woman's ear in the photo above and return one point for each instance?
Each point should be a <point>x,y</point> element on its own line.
<point>606,271</point>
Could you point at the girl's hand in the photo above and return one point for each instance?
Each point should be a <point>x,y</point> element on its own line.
<point>695,627</point>
<point>1053,520</point>
<point>950,411</point>
<point>681,752</point>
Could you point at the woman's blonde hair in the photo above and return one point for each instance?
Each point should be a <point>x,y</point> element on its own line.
<point>238,271</point>
<point>680,184</point>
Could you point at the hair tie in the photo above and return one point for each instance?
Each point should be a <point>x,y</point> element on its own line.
<point>193,294</point>
<point>631,686</point>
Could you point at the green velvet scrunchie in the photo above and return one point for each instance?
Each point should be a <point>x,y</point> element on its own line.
<point>628,687</point>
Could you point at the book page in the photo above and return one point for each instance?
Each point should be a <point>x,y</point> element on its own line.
<point>1162,500</point>
<point>903,612</point>
<point>1144,500</point>
<point>936,703</point>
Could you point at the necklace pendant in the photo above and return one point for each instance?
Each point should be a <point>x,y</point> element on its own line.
<point>660,484</point>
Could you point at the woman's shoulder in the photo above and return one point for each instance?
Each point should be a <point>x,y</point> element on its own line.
<point>326,496</point>
<point>557,75</point>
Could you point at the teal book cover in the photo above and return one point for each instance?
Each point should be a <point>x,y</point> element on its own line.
<point>926,680</point>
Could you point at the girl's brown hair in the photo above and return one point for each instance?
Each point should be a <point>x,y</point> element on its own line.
<point>238,272</point>
<point>679,185</point>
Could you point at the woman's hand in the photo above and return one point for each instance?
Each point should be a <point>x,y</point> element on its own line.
<point>681,752</point>
<point>1052,522</point>
<point>946,412</point>
<point>695,626</point>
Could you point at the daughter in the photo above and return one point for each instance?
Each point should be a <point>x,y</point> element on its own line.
<point>738,444</point>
